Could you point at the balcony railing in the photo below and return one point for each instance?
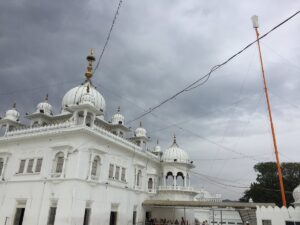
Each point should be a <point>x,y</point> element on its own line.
<point>175,188</point>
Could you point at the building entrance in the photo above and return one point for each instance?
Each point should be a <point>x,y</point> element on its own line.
<point>19,216</point>
<point>113,218</point>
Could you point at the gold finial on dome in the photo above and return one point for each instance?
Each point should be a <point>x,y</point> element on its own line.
<point>174,139</point>
<point>119,109</point>
<point>89,70</point>
<point>46,98</point>
<point>14,105</point>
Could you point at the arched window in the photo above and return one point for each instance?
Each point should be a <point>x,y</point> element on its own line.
<point>180,179</point>
<point>1,166</point>
<point>150,184</point>
<point>96,167</point>
<point>139,178</point>
<point>169,179</point>
<point>58,162</point>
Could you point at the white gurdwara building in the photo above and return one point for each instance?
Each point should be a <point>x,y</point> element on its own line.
<point>77,168</point>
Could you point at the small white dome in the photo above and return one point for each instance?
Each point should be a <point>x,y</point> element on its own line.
<point>175,154</point>
<point>296,195</point>
<point>118,118</point>
<point>12,114</point>
<point>44,107</point>
<point>140,131</point>
<point>78,94</point>
<point>157,149</point>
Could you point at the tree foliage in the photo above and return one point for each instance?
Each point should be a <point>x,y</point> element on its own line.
<point>266,188</point>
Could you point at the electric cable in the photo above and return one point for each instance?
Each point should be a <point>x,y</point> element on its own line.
<point>109,34</point>
<point>233,186</point>
<point>202,80</point>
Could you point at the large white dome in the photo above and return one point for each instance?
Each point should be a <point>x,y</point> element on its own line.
<point>175,154</point>
<point>75,95</point>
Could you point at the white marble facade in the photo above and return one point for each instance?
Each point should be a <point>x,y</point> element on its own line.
<point>78,168</point>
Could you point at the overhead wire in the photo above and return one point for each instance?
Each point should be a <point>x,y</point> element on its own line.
<point>188,131</point>
<point>230,185</point>
<point>203,79</point>
<point>234,110</point>
<point>108,35</point>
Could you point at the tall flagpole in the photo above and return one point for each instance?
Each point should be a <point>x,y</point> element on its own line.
<point>255,26</point>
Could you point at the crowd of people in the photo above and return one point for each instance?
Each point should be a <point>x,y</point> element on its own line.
<point>155,221</point>
<point>182,221</point>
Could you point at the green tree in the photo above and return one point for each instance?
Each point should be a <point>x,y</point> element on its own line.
<point>267,189</point>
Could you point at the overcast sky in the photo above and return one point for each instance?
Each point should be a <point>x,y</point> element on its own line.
<point>156,48</point>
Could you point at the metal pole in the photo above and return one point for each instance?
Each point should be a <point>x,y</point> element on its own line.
<point>255,25</point>
<point>221,216</point>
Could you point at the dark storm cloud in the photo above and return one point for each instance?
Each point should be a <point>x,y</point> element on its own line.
<point>156,48</point>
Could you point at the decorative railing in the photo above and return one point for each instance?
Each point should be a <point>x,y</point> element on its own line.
<point>50,127</point>
<point>30,130</point>
<point>175,188</point>
<point>113,136</point>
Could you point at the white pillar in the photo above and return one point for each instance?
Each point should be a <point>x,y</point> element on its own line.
<point>93,119</point>
<point>76,117</point>
<point>84,117</point>
<point>174,180</point>
<point>7,128</point>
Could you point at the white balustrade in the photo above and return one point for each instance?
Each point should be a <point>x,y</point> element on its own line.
<point>175,188</point>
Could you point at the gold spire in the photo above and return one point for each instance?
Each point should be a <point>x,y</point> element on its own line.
<point>174,139</point>
<point>89,70</point>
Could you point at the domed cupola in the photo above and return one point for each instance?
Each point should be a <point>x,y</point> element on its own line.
<point>140,137</point>
<point>296,195</point>
<point>175,154</point>
<point>157,149</point>
<point>140,131</point>
<point>44,107</point>
<point>118,118</point>
<point>12,114</point>
<point>78,94</point>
